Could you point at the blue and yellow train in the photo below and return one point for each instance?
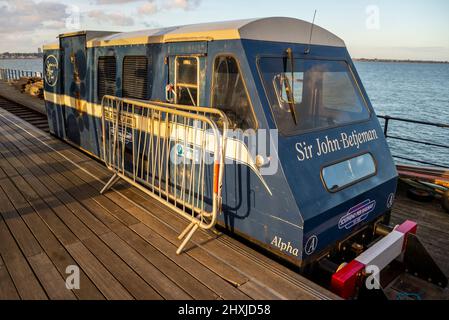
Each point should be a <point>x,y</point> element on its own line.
<point>330,196</point>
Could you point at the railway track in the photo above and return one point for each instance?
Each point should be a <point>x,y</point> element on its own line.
<point>37,119</point>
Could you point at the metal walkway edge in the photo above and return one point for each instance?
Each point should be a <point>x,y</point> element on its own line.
<point>123,242</point>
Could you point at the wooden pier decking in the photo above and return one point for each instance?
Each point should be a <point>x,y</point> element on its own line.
<point>52,216</point>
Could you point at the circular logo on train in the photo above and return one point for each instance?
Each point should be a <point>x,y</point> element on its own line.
<point>51,70</point>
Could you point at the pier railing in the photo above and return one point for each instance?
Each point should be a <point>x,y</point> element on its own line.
<point>15,74</point>
<point>388,123</point>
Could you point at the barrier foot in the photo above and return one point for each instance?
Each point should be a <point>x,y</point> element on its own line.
<point>186,230</point>
<point>183,234</point>
<point>187,238</point>
<point>110,183</point>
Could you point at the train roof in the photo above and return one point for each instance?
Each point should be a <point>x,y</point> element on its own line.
<point>275,29</point>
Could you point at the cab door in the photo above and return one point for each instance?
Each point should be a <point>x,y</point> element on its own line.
<point>186,75</point>
<point>74,90</point>
<point>186,82</point>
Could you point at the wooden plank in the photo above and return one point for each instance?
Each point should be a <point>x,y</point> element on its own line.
<point>102,278</point>
<point>94,197</point>
<point>48,215</point>
<point>223,288</point>
<point>111,220</point>
<point>142,291</point>
<point>73,220</point>
<point>27,243</point>
<point>236,279</point>
<point>89,193</point>
<point>47,274</point>
<point>188,282</point>
<point>76,191</point>
<point>224,271</point>
<point>62,259</point>
<point>81,216</point>
<point>257,292</point>
<point>50,278</point>
<point>134,284</point>
<point>58,255</point>
<point>88,289</point>
<point>23,277</point>
<point>226,258</point>
<point>151,274</point>
<point>7,289</point>
<point>52,247</point>
<point>108,221</point>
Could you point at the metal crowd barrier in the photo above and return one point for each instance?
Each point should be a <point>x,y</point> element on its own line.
<point>14,74</point>
<point>173,153</point>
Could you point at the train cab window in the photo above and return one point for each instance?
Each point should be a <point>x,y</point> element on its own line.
<point>135,77</point>
<point>107,71</point>
<point>320,94</point>
<point>187,86</point>
<point>229,93</point>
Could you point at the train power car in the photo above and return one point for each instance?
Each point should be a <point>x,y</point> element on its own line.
<point>319,197</point>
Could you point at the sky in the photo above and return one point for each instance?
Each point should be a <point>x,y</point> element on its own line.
<point>396,29</point>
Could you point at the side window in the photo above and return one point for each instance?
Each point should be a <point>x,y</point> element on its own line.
<point>107,71</point>
<point>135,77</point>
<point>229,93</point>
<point>187,81</point>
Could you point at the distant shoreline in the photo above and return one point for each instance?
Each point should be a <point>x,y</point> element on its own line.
<point>399,61</point>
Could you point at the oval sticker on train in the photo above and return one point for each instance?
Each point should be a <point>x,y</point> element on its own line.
<point>357,214</point>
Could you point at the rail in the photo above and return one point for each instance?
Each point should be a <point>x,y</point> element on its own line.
<point>15,74</point>
<point>387,122</point>
<point>173,153</point>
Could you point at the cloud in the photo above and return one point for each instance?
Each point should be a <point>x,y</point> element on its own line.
<point>183,4</point>
<point>114,18</point>
<point>153,6</point>
<point>27,24</point>
<point>148,8</point>
<point>28,15</point>
<point>113,1</point>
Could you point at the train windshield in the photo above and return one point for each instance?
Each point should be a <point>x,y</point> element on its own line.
<point>309,95</point>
